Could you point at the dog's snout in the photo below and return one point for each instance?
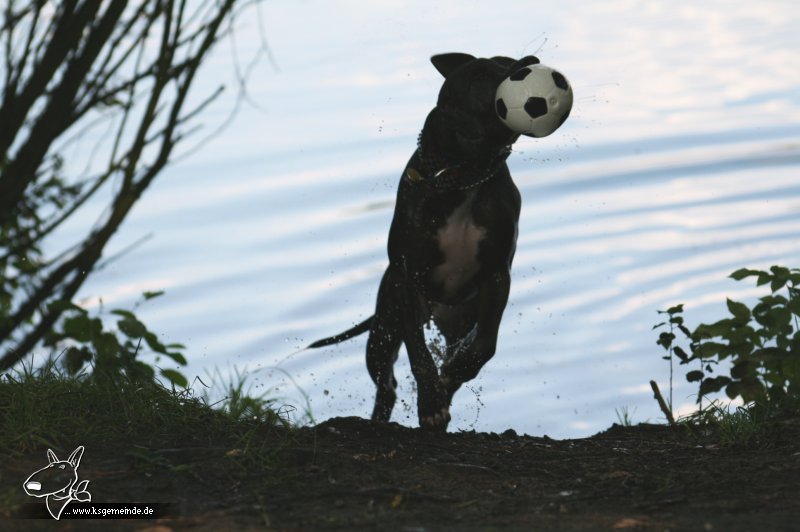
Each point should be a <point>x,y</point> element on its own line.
<point>33,486</point>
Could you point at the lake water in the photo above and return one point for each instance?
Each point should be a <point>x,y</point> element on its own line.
<point>679,164</point>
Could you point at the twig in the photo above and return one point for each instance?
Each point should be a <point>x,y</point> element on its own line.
<point>661,403</point>
<point>124,251</point>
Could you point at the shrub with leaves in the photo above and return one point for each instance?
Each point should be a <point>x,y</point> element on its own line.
<point>762,343</point>
<point>666,340</point>
<point>84,340</point>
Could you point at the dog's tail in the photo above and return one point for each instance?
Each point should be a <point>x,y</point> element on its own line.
<point>346,335</point>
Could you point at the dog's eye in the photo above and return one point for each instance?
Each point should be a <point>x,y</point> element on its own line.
<point>62,466</point>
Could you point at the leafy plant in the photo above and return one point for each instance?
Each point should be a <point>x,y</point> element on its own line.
<point>667,338</point>
<point>762,344</point>
<point>84,339</point>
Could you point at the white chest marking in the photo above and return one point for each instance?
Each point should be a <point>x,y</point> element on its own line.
<point>459,239</point>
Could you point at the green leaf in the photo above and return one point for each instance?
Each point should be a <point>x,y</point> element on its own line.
<point>154,343</point>
<point>60,305</point>
<point>676,320</point>
<point>742,369</point>
<point>665,339</point>
<point>780,277</point>
<point>740,311</point>
<point>140,371</point>
<point>773,300</point>
<point>694,376</point>
<point>675,310</point>
<point>78,327</point>
<point>791,369</point>
<point>150,295</point>
<point>708,350</point>
<point>681,354</point>
<point>177,357</point>
<point>712,384</point>
<point>75,358</point>
<point>763,278</point>
<point>124,313</point>
<point>720,328</point>
<point>777,284</point>
<point>175,377</point>
<point>772,318</point>
<point>768,354</point>
<point>744,272</point>
<point>733,390</point>
<point>783,342</point>
<point>106,345</point>
<point>750,390</point>
<point>132,328</point>
<point>780,271</point>
<point>794,306</point>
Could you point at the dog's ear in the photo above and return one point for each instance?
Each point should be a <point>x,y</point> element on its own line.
<point>447,63</point>
<point>525,61</point>
<point>503,61</point>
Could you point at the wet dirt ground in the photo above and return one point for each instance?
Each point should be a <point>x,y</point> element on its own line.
<point>350,474</point>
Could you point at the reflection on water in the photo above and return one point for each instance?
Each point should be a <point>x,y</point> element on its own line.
<point>679,165</point>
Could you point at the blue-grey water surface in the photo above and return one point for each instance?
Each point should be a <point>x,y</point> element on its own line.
<point>679,164</point>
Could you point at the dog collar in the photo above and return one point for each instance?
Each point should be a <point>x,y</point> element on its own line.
<point>439,175</point>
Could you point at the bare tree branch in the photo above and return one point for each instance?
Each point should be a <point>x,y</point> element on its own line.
<point>67,33</point>
<point>55,118</point>
<point>90,61</point>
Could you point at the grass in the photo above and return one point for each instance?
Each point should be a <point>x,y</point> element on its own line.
<point>148,425</point>
<point>746,427</point>
<point>46,408</point>
<point>625,416</point>
<point>241,401</point>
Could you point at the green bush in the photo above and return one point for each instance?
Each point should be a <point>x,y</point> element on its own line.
<point>761,344</point>
<point>84,340</point>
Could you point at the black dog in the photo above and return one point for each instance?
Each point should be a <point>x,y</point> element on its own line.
<point>451,243</point>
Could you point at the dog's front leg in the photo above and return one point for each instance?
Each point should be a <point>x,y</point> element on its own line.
<point>432,406</point>
<point>465,365</point>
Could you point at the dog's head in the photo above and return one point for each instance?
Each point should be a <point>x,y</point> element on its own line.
<point>464,124</point>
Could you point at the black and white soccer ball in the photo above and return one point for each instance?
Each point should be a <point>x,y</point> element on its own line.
<point>535,100</point>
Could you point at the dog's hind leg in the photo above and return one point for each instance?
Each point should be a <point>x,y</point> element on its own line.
<point>385,337</point>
